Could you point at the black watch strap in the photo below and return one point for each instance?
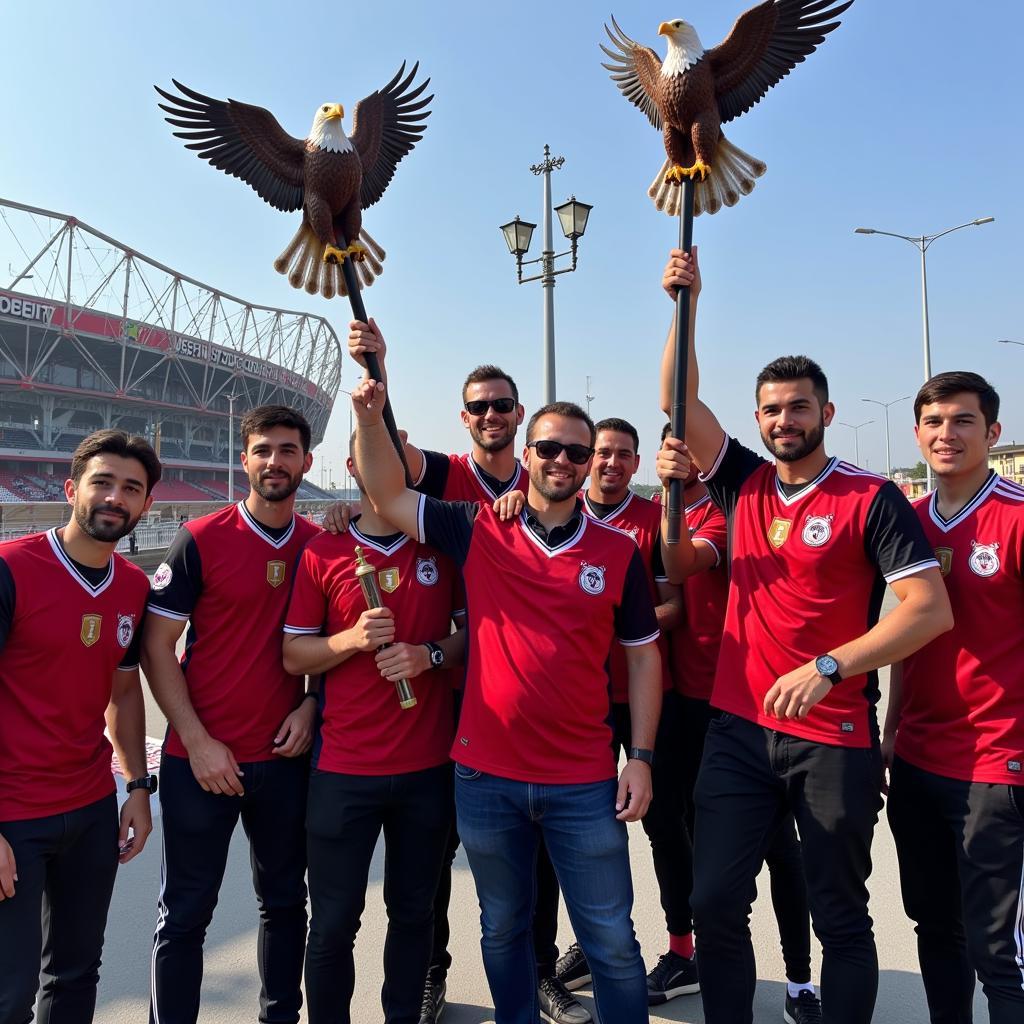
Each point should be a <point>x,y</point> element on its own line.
<point>641,754</point>
<point>147,782</point>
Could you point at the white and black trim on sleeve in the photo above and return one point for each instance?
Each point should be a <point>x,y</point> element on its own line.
<point>894,539</point>
<point>730,470</point>
<point>178,581</point>
<point>635,620</point>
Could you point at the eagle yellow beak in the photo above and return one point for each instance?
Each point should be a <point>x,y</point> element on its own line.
<point>664,29</point>
<point>336,112</point>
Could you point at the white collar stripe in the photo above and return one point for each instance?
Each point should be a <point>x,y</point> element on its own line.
<point>260,531</point>
<point>808,487</point>
<point>551,552</point>
<point>371,542</point>
<point>65,560</point>
<point>945,525</point>
<point>483,483</point>
<point>615,512</point>
<point>697,504</point>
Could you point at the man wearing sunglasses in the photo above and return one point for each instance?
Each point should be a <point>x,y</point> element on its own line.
<point>547,592</point>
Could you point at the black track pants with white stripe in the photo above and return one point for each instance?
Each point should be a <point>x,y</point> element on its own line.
<point>961,855</point>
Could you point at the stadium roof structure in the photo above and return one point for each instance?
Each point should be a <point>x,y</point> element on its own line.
<point>124,330</point>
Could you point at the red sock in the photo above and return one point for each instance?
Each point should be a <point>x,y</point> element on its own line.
<point>682,945</point>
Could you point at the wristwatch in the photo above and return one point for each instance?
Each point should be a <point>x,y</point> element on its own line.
<point>642,754</point>
<point>147,782</point>
<point>436,655</point>
<point>828,668</point>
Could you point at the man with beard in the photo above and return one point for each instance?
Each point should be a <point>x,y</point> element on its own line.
<point>547,592</point>
<point>70,609</point>
<point>813,543</point>
<point>238,723</point>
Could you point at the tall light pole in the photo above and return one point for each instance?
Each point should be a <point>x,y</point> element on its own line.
<point>232,398</point>
<point>885,406</point>
<point>348,441</point>
<point>588,397</point>
<point>1009,341</point>
<point>573,217</point>
<point>921,243</point>
<point>855,427</point>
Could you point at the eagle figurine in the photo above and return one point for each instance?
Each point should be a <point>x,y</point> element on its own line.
<point>332,177</point>
<point>693,92</point>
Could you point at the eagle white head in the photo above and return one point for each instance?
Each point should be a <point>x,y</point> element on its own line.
<point>684,48</point>
<point>327,132</point>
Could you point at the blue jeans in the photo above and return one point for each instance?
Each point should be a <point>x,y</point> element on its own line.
<point>501,823</point>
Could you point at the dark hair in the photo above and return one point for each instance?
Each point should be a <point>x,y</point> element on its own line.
<point>787,368</point>
<point>117,442</point>
<point>264,417</point>
<point>489,372</point>
<point>620,427</point>
<point>568,409</point>
<point>958,382</point>
<point>665,431</point>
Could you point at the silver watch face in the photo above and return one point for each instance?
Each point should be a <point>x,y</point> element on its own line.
<point>437,658</point>
<point>826,665</point>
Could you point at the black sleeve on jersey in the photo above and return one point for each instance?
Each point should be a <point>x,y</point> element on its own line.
<point>893,536</point>
<point>133,655</point>
<point>434,477</point>
<point>181,594</point>
<point>635,620</point>
<point>736,465</point>
<point>448,526</point>
<point>657,562</point>
<point>6,602</point>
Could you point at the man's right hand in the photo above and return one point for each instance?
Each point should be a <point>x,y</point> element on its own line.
<point>215,767</point>
<point>363,338</point>
<point>681,270</point>
<point>8,870</point>
<point>376,627</point>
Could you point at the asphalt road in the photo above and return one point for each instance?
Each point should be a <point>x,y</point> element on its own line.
<point>230,985</point>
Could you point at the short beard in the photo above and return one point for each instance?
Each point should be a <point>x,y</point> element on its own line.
<point>270,494</point>
<point>88,523</point>
<point>492,444</point>
<point>547,488</point>
<point>812,441</point>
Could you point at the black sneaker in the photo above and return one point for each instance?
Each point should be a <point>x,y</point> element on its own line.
<point>805,1009</point>
<point>433,999</point>
<point>572,969</point>
<point>557,1004</point>
<point>674,975</point>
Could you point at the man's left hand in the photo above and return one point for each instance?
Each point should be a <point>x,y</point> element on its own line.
<point>634,793</point>
<point>295,736</point>
<point>136,825</point>
<point>402,661</point>
<point>795,693</point>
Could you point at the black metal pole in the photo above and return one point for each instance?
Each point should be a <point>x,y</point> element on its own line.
<point>682,351</point>
<point>355,298</point>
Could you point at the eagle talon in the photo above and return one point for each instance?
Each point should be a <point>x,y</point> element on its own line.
<point>332,254</point>
<point>357,252</point>
<point>699,167</point>
<point>675,173</point>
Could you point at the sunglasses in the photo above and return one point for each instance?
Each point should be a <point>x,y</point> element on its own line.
<point>478,407</point>
<point>577,454</point>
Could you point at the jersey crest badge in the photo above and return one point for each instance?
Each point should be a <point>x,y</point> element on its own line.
<point>91,629</point>
<point>591,578</point>
<point>817,530</point>
<point>275,573</point>
<point>778,532</point>
<point>389,579</point>
<point>162,576</point>
<point>426,571</point>
<point>633,531</point>
<point>125,629</point>
<point>945,557</point>
<point>983,561</point>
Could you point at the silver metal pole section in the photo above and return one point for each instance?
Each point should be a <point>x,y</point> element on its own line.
<point>927,342</point>
<point>548,287</point>
<point>231,434</point>
<point>888,456</point>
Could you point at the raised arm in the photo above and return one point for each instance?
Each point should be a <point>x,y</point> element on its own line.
<point>704,434</point>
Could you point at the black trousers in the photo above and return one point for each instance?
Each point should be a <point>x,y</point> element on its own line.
<point>750,779</point>
<point>961,854</point>
<point>197,829</point>
<point>66,868</point>
<point>664,823</point>
<point>346,815</point>
<point>783,856</point>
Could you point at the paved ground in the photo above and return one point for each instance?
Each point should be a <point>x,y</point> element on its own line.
<point>230,986</point>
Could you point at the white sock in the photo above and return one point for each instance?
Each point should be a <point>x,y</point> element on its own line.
<point>796,987</point>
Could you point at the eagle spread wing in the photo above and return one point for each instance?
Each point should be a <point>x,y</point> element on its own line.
<point>385,127</point>
<point>635,71</point>
<point>765,44</point>
<point>242,140</point>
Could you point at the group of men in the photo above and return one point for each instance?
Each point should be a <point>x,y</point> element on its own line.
<point>548,634</point>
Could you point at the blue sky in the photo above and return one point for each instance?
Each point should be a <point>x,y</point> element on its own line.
<point>906,119</point>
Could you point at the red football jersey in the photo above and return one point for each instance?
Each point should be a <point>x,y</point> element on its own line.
<point>694,643</point>
<point>963,694</point>
<point>230,577</point>
<point>65,640</point>
<point>466,483</point>
<point>641,519</point>
<point>364,731</point>
<point>803,583</point>
<point>540,619</point>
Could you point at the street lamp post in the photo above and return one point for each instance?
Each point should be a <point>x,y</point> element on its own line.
<point>1009,341</point>
<point>855,427</point>
<point>348,441</point>
<point>232,398</point>
<point>921,243</point>
<point>572,215</point>
<point>885,406</point>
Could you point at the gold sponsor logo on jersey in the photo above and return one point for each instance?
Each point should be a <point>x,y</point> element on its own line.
<point>389,580</point>
<point>91,629</point>
<point>945,557</point>
<point>275,573</point>
<point>778,532</point>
